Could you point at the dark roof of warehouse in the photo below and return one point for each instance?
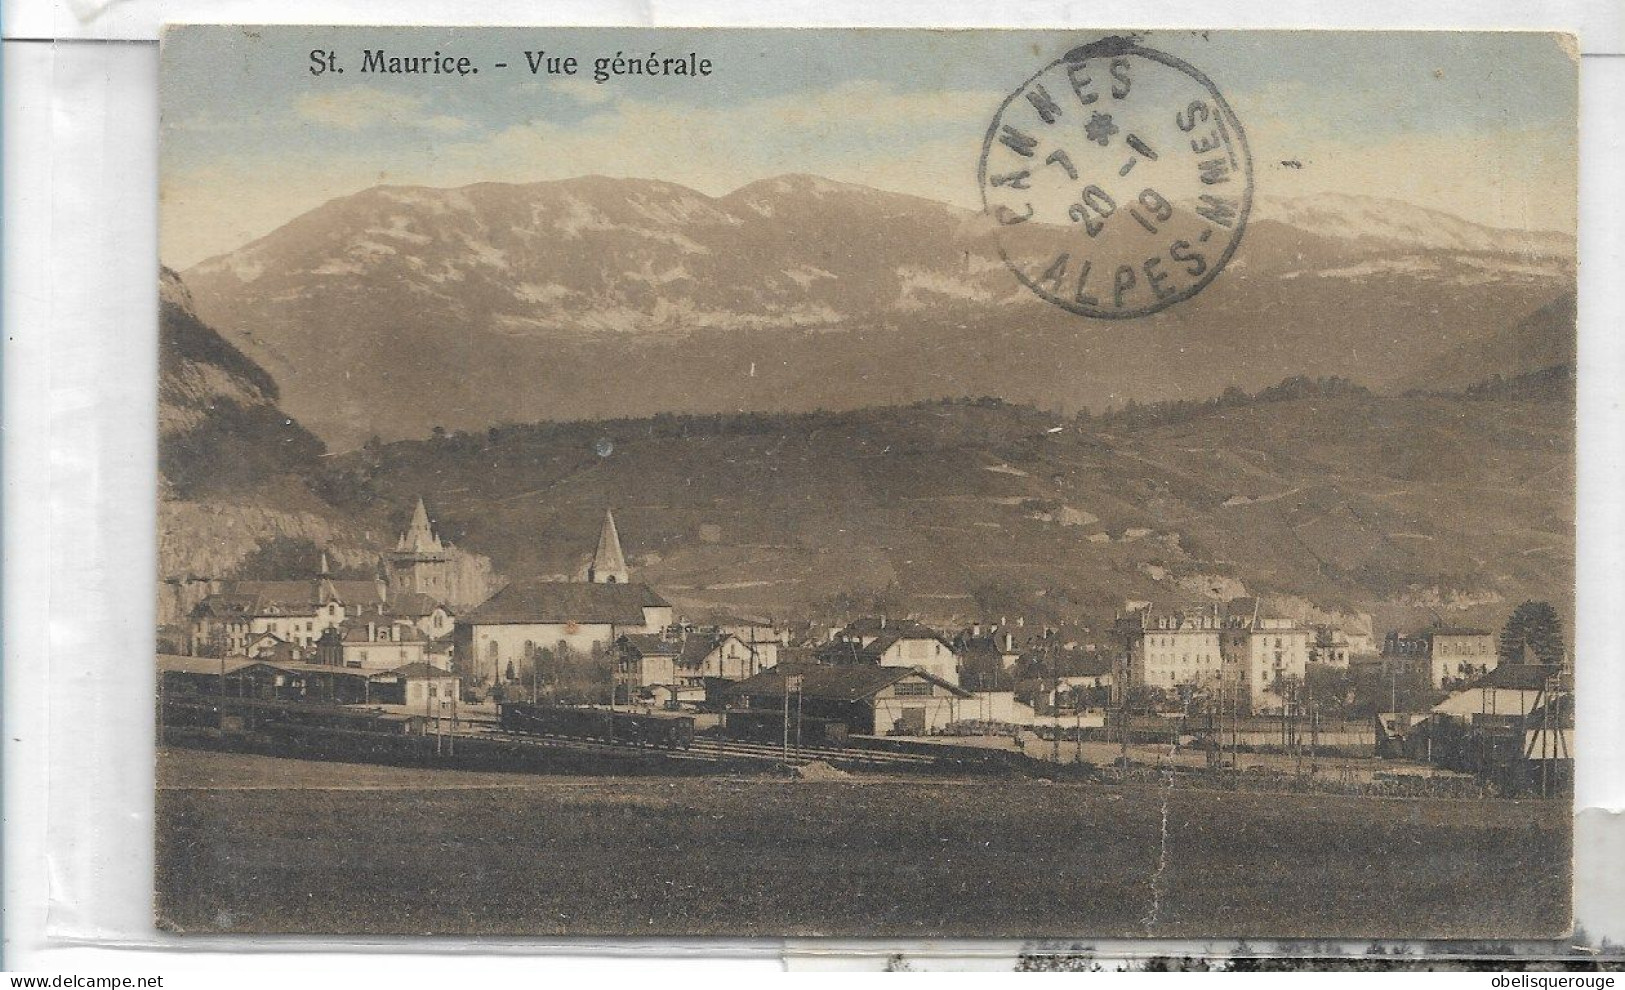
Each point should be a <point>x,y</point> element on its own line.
<point>566,601</point>
<point>414,603</point>
<point>834,683</point>
<point>416,672</point>
<point>1514,677</point>
<point>651,644</point>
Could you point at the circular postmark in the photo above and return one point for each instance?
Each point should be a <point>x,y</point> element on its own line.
<point>1118,180</point>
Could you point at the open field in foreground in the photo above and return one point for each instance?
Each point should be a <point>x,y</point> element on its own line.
<point>249,843</point>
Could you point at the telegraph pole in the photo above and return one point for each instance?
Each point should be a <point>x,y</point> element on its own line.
<point>428,713</point>
<point>1077,727</point>
<point>787,685</point>
<point>1055,705</point>
<point>1123,716</point>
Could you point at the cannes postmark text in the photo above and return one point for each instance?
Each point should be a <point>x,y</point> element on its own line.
<point>1118,179</point>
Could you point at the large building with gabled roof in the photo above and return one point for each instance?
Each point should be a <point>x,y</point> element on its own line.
<point>1452,655</point>
<point>887,642</point>
<point>297,612</point>
<point>499,641</point>
<point>1239,651</point>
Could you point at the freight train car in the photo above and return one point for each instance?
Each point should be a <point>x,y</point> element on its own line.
<point>672,731</point>
<point>247,714</point>
<point>767,725</point>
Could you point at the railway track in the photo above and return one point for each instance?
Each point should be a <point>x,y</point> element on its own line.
<point>586,745</point>
<point>808,754</point>
<point>713,750</point>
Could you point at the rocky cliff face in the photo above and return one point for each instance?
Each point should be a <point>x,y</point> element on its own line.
<point>235,470</point>
<point>219,427</point>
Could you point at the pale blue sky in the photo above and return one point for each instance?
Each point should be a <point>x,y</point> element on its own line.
<point>1482,125</point>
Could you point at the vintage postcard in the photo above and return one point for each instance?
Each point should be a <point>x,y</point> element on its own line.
<point>739,482</point>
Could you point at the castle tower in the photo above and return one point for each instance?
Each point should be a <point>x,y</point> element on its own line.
<point>420,535</point>
<point>420,562</point>
<point>608,563</point>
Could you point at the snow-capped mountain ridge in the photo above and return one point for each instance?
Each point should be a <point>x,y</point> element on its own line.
<point>1394,223</point>
<point>374,298</point>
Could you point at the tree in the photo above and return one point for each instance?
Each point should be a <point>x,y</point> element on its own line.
<point>1535,625</point>
<point>290,558</point>
<point>1332,688</point>
<point>1404,687</point>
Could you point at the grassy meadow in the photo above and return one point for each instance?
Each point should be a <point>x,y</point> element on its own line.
<point>256,844</point>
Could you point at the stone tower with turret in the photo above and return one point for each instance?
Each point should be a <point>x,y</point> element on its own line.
<point>420,562</point>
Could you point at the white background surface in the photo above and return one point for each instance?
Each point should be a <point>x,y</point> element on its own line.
<point>80,439</point>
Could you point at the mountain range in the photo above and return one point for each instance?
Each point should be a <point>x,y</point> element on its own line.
<point>1332,502</point>
<point>399,309</point>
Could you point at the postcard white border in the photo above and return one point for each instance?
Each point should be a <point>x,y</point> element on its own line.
<point>80,414</point>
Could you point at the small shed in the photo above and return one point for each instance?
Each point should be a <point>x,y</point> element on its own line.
<point>421,687</point>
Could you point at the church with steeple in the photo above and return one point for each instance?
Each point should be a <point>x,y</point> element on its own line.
<point>500,641</point>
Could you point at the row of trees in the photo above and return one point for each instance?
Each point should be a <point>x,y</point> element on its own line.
<point>1134,414</point>
<point>560,673</point>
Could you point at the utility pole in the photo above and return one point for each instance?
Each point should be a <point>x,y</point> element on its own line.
<point>428,713</point>
<point>1055,705</point>
<point>1314,731</point>
<point>1235,724</point>
<point>1123,713</point>
<point>1077,726</point>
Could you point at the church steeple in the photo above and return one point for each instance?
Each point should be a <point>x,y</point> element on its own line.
<point>608,563</point>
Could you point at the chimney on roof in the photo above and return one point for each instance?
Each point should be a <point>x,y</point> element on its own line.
<point>882,622</point>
